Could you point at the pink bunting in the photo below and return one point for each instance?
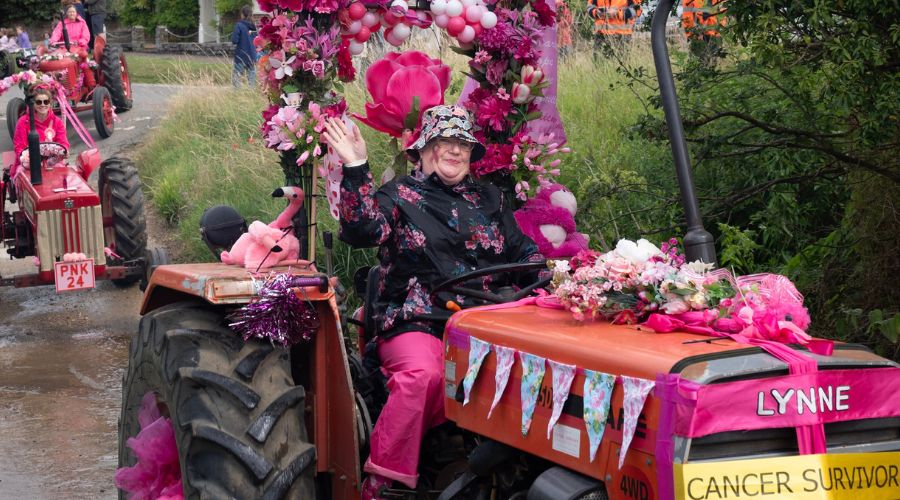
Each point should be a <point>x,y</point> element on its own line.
<point>636,390</point>
<point>478,350</point>
<point>506,356</point>
<point>563,375</point>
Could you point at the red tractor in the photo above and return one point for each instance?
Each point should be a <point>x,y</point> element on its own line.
<point>254,420</point>
<point>76,235</point>
<point>98,83</point>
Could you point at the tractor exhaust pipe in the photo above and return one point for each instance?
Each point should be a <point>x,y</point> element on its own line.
<point>34,145</point>
<point>698,243</point>
<point>65,33</point>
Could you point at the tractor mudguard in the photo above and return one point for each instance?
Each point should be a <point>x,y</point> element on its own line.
<point>213,282</point>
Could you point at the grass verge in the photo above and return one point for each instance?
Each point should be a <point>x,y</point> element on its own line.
<point>178,69</point>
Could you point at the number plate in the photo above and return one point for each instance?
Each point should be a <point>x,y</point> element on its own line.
<point>74,275</point>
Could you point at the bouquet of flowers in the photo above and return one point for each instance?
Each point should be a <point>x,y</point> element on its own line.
<point>637,279</point>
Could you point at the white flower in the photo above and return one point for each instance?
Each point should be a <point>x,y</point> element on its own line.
<point>561,266</point>
<point>698,267</point>
<point>637,253</point>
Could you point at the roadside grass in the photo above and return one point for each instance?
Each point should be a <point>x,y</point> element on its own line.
<point>180,70</point>
<point>208,150</point>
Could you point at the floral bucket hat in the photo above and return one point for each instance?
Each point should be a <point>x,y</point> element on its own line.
<point>446,121</point>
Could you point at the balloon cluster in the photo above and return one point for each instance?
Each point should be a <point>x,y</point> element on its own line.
<point>463,20</point>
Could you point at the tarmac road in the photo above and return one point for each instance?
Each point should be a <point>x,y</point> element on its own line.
<point>62,356</point>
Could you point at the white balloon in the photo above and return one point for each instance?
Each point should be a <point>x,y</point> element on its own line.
<point>454,8</point>
<point>488,20</point>
<point>400,4</point>
<point>441,20</point>
<point>370,19</point>
<point>438,7</point>
<point>391,39</point>
<point>401,31</point>
<point>356,48</point>
<point>467,35</point>
<point>354,28</point>
<point>474,13</point>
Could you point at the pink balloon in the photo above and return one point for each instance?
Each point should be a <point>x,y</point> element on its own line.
<point>441,20</point>
<point>401,31</point>
<point>391,39</point>
<point>354,28</point>
<point>456,25</point>
<point>363,35</point>
<point>478,28</point>
<point>356,48</point>
<point>369,19</point>
<point>390,19</point>
<point>467,35</point>
<point>357,11</point>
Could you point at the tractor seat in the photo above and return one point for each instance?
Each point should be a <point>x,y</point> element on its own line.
<point>220,227</point>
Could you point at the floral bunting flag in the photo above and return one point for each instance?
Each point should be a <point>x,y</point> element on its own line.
<point>506,356</point>
<point>598,388</point>
<point>563,375</point>
<point>636,390</point>
<point>533,368</point>
<point>478,350</point>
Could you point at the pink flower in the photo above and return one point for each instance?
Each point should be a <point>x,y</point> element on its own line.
<point>394,81</point>
<point>520,93</point>
<point>492,114</point>
<point>531,76</point>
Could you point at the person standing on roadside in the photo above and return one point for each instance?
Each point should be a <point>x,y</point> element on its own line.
<point>96,11</point>
<point>244,51</point>
<point>22,37</point>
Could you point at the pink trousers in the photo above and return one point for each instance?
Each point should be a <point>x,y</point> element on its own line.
<point>415,369</point>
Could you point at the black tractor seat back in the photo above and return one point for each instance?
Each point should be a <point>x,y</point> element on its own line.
<point>365,283</point>
<point>220,227</point>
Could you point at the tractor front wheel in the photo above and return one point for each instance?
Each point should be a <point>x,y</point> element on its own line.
<point>238,418</point>
<point>15,108</point>
<point>122,206</point>
<point>103,112</point>
<point>114,70</point>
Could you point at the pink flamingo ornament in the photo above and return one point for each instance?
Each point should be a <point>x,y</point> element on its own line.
<point>268,245</point>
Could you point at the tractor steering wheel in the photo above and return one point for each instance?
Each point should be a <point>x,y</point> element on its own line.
<point>53,151</point>
<point>504,294</point>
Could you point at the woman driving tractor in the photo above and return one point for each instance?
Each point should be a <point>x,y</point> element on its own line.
<point>79,34</point>
<point>50,128</point>
<point>430,226</point>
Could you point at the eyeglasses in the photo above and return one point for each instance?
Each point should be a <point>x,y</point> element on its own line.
<point>42,102</point>
<point>450,143</point>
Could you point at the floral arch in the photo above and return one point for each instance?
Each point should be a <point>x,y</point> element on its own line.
<point>307,48</point>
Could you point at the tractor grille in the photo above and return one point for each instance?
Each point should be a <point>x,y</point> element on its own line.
<point>66,231</point>
<point>858,436</point>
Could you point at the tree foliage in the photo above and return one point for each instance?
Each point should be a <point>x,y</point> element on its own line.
<point>175,14</point>
<point>795,142</point>
<point>28,11</point>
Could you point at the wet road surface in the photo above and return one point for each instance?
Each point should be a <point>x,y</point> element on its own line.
<point>62,356</point>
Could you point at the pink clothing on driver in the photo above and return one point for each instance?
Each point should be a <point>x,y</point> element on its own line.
<point>20,140</point>
<point>78,32</point>
<point>414,363</point>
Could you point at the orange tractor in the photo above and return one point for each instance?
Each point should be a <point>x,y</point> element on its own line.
<point>98,83</point>
<point>252,420</point>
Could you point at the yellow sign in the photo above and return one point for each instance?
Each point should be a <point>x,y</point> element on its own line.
<point>852,476</point>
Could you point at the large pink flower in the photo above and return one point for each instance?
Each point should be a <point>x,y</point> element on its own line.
<point>394,81</point>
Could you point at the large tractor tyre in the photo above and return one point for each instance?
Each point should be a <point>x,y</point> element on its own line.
<point>237,415</point>
<point>103,112</point>
<point>122,206</point>
<point>15,108</point>
<point>115,77</point>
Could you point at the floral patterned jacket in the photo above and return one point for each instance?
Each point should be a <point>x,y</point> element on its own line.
<point>427,232</point>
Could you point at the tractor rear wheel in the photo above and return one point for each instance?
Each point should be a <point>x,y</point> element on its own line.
<point>15,108</point>
<point>103,112</point>
<point>115,77</point>
<point>122,206</point>
<point>237,415</point>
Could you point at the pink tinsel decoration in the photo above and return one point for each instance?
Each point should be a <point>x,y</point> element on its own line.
<point>278,315</point>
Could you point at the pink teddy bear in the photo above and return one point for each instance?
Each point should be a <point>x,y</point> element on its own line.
<point>549,220</point>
